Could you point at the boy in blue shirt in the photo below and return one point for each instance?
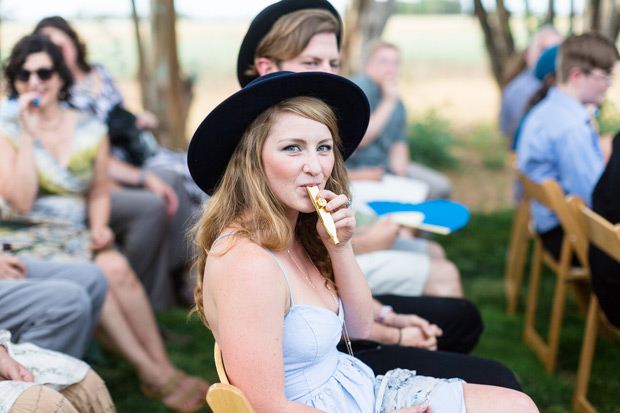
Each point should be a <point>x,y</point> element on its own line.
<point>558,140</point>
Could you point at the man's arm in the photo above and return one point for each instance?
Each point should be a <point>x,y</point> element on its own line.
<point>399,158</point>
<point>382,113</point>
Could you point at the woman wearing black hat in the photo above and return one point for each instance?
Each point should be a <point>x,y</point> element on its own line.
<point>273,285</point>
<point>304,35</point>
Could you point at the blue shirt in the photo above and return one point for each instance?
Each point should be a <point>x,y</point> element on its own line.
<point>557,142</point>
<point>515,96</point>
<point>377,152</point>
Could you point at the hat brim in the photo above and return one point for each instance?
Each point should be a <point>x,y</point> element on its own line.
<point>262,24</point>
<point>217,136</point>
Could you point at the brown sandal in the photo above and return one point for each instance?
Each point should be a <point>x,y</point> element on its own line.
<point>176,381</point>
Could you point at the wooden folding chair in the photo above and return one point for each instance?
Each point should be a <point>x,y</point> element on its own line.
<point>520,237</point>
<point>605,236</point>
<point>550,195</point>
<point>224,397</point>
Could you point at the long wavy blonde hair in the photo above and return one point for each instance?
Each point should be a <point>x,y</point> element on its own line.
<point>245,199</point>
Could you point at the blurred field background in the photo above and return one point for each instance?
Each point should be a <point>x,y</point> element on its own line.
<point>453,103</point>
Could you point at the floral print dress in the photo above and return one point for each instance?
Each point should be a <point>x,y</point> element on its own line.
<point>55,228</point>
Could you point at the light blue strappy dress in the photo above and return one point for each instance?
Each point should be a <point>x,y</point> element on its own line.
<point>318,375</point>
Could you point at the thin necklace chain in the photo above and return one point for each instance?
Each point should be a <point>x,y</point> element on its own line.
<point>345,332</point>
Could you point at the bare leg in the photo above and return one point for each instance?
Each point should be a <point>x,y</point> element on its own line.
<point>133,304</point>
<point>435,251</point>
<point>115,334</point>
<point>444,280</point>
<point>129,327</point>
<point>482,399</point>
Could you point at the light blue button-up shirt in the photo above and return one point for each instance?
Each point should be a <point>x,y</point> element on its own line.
<point>557,142</point>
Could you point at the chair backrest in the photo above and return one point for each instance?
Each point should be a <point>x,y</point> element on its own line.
<point>226,398</point>
<point>550,194</point>
<point>602,233</point>
<point>575,227</point>
<point>219,364</point>
<point>534,191</point>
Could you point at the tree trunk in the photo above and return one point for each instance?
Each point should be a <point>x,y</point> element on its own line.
<point>173,95</point>
<point>591,15</point>
<point>550,13</point>
<point>497,37</point>
<point>571,18</point>
<point>602,16</point>
<point>147,97</point>
<point>364,22</point>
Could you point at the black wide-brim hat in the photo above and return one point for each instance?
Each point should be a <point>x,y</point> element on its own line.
<point>262,24</point>
<point>219,133</point>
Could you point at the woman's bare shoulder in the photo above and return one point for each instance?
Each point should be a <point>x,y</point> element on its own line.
<point>239,259</point>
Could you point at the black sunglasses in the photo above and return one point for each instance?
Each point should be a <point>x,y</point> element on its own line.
<point>44,74</point>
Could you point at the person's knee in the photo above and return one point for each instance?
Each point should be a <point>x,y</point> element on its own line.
<point>435,250</point>
<point>117,270</point>
<point>444,279</point>
<point>71,302</point>
<point>94,280</point>
<point>521,402</point>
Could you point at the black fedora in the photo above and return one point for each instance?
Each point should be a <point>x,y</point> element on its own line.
<point>217,136</point>
<point>262,24</point>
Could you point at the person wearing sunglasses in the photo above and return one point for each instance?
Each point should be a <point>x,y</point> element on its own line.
<point>154,242</point>
<point>53,173</point>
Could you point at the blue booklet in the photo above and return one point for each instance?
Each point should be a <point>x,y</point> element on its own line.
<point>438,216</point>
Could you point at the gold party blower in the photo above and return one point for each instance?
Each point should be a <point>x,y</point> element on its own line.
<point>326,218</point>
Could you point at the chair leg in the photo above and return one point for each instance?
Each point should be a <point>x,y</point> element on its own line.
<point>555,324</point>
<point>530,336</point>
<point>580,399</point>
<point>517,252</point>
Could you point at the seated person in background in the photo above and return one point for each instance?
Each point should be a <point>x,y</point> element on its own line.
<point>545,72</point>
<point>384,148</point>
<point>316,27</point>
<point>150,215</point>
<point>605,270</point>
<point>55,305</point>
<point>53,170</point>
<point>270,274</point>
<point>518,91</point>
<point>33,379</point>
<point>558,141</point>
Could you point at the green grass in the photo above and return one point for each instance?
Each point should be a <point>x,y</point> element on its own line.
<point>479,251</point>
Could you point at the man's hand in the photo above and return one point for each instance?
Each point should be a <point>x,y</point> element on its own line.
<point>12,370</point>
<point>147,121</point>
<point>101,238</point>
<point>157,185</point>
<point>412,320</point>
<point>383,233</point>
<point>11,267</point>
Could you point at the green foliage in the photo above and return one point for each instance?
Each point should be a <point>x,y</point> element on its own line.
<point>608,119</point>
<point>429,7</point>
<point>431,140</point>
<point>491,147</point>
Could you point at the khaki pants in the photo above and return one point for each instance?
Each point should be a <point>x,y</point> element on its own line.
<point>89,395</point>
